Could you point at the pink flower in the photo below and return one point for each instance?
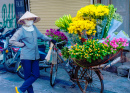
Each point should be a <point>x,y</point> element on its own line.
<point>108,37</point>
<point>125,40</point>
<point>117,40</point>
<point>114,38</point>
<point>127,44</point>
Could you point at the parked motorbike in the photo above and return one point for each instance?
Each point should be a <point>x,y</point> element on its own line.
<point>6,52</point>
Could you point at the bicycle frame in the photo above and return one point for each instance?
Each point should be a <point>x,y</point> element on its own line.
<point>67,65</point>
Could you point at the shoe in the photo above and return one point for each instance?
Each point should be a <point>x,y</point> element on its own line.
<point>17,90</point>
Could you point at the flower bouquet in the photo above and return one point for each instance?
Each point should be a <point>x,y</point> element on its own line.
<point>63,22</point>
<point>115,44</point>
<point>97,13</point>
<point>93,53</point>
<point>92,22</point>
<point>58,36</point>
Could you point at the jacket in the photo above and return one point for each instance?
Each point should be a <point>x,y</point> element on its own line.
<point>29,39</point>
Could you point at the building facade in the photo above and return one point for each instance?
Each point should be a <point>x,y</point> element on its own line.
<point>51,10</point>
<point>7,14</point>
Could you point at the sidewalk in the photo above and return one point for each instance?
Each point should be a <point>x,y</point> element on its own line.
<point>112,83</point>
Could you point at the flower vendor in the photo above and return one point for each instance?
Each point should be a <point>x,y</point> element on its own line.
<point>26,37</point>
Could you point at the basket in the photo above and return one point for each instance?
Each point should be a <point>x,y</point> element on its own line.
<point>84,63</point>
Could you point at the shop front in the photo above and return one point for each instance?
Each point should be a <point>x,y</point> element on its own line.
<point>51,10</point>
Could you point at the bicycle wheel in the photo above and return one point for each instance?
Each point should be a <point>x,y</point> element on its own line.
<point>20,71</point>
<point>89,80</point>
<point>53,74</point>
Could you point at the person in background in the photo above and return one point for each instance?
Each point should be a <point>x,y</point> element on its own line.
<point>26,37</point>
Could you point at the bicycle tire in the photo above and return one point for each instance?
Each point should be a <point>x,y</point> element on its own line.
<point>53,74</point>
<point>20,71</point>
<point>86,76</point>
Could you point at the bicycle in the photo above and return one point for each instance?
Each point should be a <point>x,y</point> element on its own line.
<point>88,79</point>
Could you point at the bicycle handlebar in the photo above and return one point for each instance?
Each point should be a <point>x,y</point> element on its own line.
<point>60,42</point>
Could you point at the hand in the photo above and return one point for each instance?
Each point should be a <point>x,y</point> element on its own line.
<point>23,45</point>
<point>53,41</point>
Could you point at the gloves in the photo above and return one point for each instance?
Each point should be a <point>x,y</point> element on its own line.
<point>53,41</point>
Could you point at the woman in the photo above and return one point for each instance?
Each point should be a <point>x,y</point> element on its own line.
<point>26,37</point>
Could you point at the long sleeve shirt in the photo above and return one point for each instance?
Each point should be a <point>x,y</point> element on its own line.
<point>29,38</point>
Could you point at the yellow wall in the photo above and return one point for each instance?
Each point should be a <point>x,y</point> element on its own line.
<point>51,10</point>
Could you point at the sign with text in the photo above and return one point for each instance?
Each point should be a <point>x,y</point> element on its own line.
<point>19,9</point>
<point>7,14</point>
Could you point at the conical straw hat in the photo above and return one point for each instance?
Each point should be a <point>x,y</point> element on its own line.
<point>28,15</point>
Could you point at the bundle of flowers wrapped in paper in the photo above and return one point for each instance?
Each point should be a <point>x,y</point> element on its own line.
<point>57,35</point>
<point>63,22</point>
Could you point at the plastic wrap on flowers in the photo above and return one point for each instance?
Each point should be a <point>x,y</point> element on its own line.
<point>72,38</point>
<point>69,37</point>
<point>100,26</point>
<point>84,63</point>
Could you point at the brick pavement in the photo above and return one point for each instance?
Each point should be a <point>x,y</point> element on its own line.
<point>112,83</point>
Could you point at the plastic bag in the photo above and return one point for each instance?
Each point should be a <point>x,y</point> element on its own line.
<point>48,57</point>
<point>54,57</point>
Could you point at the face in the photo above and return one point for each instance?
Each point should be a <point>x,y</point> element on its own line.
<point>29,21</point>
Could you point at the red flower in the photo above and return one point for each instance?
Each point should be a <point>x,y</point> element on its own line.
<point>83,39</point>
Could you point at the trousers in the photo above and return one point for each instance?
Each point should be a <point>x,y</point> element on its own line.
<point>31,74</point>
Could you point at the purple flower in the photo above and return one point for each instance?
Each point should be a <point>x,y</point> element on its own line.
<point>56,34</point>
<point>47,30</point>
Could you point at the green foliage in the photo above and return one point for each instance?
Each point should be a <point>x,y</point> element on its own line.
<point>63,22</point>
<point>109,18</point>
<point>90,50</point>
<point>65,52</point>
<point>125,34</point>
<point>117,17</point>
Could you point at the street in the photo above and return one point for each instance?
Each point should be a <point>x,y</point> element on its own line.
<point>112,83</point>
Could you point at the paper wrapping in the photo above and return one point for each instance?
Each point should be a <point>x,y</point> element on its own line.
<point>49,52</point>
